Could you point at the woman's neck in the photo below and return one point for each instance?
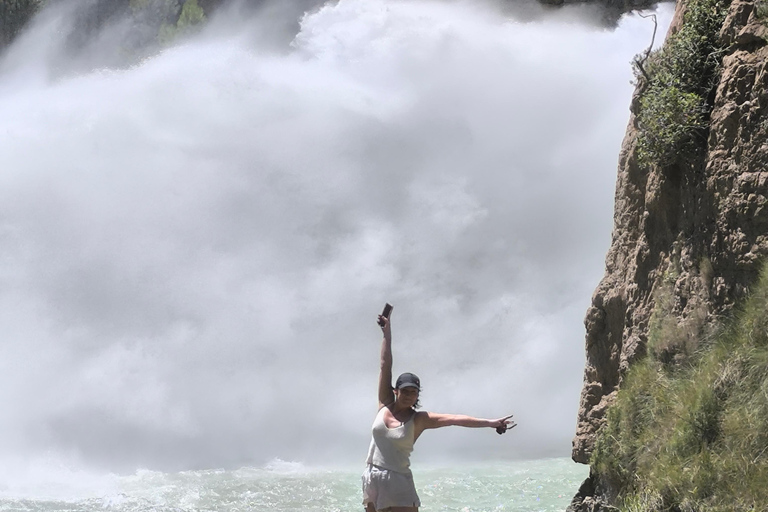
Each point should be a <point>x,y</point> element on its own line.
<point>398,407</point>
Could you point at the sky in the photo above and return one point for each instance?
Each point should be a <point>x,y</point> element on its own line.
<point>195,246</point>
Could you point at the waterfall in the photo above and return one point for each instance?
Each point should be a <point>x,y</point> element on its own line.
<point>195,244</point>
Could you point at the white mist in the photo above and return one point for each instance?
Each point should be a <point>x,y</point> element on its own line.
<point>194,248</point>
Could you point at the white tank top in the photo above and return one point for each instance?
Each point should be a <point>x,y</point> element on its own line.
<point>391,447</point>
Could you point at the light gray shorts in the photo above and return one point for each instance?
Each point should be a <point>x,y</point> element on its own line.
<point>385,488</point>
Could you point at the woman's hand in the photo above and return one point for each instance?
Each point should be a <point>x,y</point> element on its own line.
<point>503,424</point>
<point>384,324</point>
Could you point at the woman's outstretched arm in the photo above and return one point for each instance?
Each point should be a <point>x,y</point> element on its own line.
<point>427,420</point>
<point>386,395</point>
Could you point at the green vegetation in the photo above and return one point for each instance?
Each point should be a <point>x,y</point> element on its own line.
<point>761,9</point>
<point>672,342</point>
<point>693,436</point>
<point>190,19</point>
<point>674,108</point>
<point>172,18</point>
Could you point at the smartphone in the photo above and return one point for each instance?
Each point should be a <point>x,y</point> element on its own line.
<point>387,311</point>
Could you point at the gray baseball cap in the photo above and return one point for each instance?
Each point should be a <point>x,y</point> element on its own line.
<point>408,380</point>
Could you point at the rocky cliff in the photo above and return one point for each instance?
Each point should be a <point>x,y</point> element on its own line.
<point>694,224</point>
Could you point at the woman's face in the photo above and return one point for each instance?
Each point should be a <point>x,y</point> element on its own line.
<point>407,396</point>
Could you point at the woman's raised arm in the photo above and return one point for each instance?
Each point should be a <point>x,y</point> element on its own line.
<point>386,395</point>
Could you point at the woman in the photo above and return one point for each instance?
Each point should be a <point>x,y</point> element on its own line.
<point>387,481</point>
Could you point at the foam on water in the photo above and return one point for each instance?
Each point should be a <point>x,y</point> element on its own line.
<point>281,486</point>
<point>46,478</point>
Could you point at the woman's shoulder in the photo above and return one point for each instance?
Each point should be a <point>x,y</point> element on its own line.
<point>386,406</point>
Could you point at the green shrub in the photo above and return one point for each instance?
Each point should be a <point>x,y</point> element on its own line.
<point>670,122</point>
<point>695,439</point>
<point>673,110</point>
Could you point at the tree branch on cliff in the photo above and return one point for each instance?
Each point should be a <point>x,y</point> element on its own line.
<point>639,61</point>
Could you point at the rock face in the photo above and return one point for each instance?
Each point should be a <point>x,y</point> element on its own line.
<point>701,226</point>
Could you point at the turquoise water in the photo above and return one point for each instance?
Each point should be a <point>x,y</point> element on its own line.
<point>524,486</point>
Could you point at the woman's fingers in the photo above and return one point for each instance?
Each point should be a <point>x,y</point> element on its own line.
<point>505,424</point>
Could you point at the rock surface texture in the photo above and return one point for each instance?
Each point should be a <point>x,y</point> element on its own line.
<point>701,226</point>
